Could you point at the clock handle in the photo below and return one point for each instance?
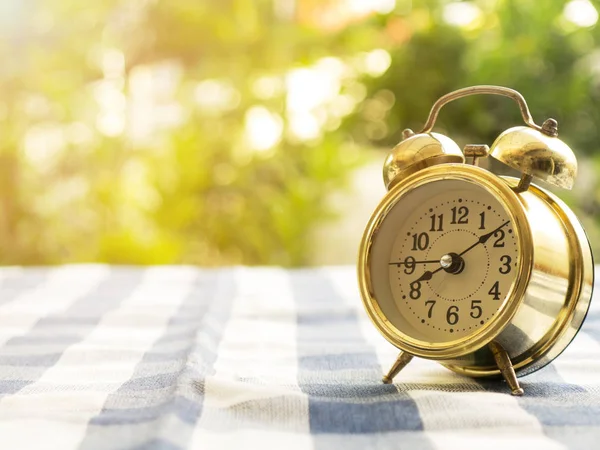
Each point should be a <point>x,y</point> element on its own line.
<point>476,90</point>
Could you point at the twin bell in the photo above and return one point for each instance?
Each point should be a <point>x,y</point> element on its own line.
<point>535,152</point>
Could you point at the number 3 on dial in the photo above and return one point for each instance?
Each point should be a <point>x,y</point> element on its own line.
<point>505,260</point>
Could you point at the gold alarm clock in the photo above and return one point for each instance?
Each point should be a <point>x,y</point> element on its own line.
<point>489,275</point>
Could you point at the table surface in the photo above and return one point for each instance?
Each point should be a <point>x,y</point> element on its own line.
<point>95,357</point>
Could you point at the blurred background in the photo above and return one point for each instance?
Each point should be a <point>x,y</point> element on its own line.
<point>254,131</point>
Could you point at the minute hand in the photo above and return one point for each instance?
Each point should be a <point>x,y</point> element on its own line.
<point>483,239</point>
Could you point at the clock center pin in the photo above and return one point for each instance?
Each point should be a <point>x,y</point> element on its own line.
<point>452,263</point>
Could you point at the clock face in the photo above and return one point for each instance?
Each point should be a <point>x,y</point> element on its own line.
<point>444,261</point>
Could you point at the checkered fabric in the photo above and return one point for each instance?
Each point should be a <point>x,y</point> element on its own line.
<point>97,357</point>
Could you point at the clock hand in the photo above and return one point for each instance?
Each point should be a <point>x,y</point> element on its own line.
<point>399,263</point>
<point>457,263</point>
<point>484,238</point>
<point>427,275</point>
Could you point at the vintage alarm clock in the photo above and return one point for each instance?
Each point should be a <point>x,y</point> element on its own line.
<point>488,275</point>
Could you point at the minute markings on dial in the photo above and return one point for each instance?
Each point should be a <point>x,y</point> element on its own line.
<point>428,301</point>
<point>482,240</point>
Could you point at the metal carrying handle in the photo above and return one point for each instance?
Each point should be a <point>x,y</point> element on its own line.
<point>475,90</point>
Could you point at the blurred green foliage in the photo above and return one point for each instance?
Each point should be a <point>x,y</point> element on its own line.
<point>111,150</point>
<point>529,46</point>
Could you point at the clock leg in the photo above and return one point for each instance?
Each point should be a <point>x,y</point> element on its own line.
<point>400,363</point>
<point>506,367</point>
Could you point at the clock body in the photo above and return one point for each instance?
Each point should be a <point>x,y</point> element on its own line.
<point>454,257</point>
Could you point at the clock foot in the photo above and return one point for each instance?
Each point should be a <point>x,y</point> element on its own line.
<point>400,363</point>
<point>505,365</point>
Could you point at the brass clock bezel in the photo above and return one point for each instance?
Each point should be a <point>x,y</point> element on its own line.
<point>536,357</point>
<point>467,344</point>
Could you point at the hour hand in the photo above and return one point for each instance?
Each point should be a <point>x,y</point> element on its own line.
<point>425,277</point>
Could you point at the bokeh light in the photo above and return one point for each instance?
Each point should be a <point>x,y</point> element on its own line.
<point>254,132</point>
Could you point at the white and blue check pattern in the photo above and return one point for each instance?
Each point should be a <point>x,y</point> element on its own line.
<point>97,357</point>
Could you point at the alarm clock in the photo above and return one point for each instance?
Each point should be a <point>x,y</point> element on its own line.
<point>489,275</point>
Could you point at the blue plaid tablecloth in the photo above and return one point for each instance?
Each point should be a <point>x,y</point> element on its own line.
<point>98,357</point>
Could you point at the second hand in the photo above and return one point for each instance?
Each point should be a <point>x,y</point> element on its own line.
<point>400,263</point>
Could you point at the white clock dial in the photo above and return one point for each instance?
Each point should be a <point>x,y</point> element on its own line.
<point>453,260</point>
